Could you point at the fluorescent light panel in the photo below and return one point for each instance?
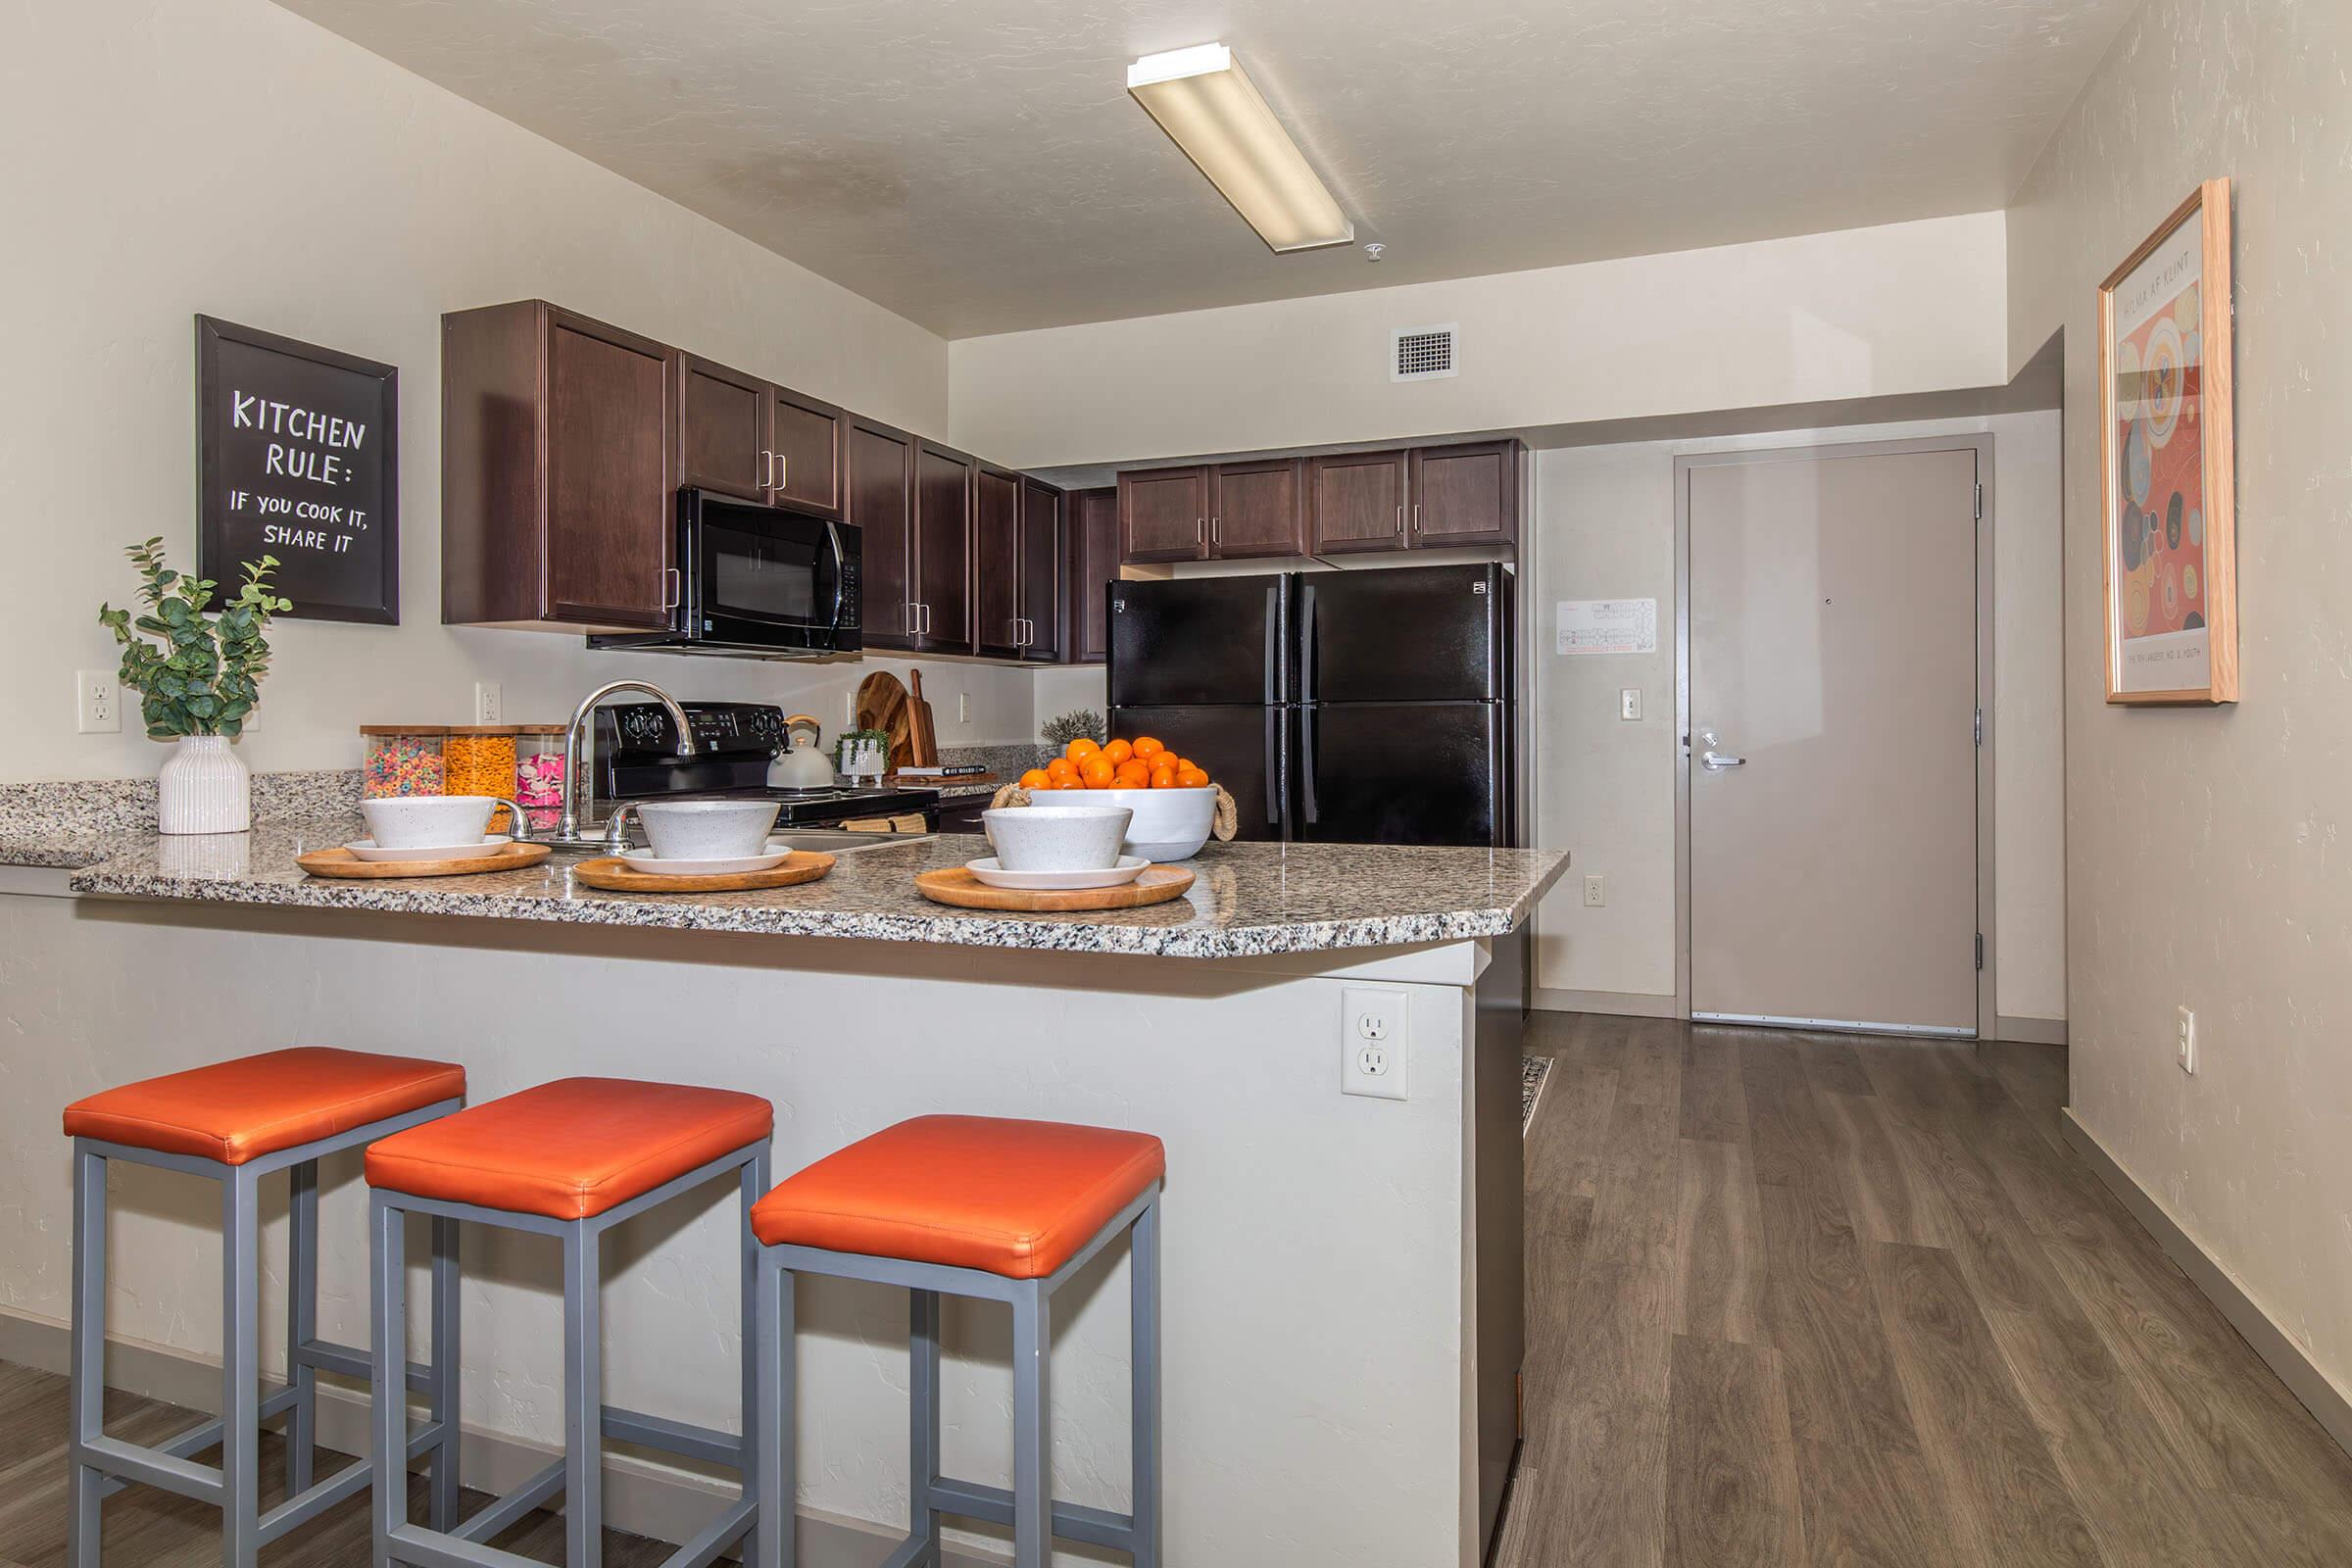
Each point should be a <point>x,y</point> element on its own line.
<point>1210,109</point>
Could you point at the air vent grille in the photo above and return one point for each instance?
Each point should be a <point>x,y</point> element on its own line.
<point>1422,354</point>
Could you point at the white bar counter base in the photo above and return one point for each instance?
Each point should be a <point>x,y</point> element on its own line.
<point>1320,1286</point>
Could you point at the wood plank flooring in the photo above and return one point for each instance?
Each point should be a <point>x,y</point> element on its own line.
<point>1827,1301</point>
<point>150,1528</point>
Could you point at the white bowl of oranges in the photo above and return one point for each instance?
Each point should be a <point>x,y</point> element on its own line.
<point>1174,801</point>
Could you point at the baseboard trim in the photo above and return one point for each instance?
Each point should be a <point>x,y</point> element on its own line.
<point>2029,1031</point>
<point>641,1497</point>
<point>2328,1404</point>
<point>1619,1004</point>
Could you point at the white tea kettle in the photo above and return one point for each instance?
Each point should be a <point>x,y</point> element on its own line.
<point>800,765</point>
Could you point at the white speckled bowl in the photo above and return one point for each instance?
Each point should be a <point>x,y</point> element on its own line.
<point>1169,824</point>
<point>707,830</point>
<point>414,821</point>
<point>1058,838</point>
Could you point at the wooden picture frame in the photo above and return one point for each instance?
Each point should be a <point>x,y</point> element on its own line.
<point>298,458</point>
<point>2168,463</point>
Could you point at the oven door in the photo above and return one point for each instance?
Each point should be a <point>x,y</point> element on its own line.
<point>757,578</point>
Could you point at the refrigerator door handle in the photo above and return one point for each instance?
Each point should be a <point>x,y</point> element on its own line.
<point>1277,787</point>
<point>1273,686</point>
<point>1309,811</point>
<point>1306,642</point>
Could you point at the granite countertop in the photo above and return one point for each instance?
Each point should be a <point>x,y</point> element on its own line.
<point>1249,899</point>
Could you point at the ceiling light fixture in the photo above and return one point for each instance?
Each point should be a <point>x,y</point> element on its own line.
<point>1210,109</point>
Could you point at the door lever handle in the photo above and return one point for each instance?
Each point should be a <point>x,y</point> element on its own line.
<point>1716,762</point>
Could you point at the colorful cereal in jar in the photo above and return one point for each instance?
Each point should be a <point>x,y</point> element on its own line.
<point>403,762</point>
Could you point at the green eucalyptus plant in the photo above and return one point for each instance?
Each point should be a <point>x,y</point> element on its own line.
<point>202,675</point>
<point>1078,724</point>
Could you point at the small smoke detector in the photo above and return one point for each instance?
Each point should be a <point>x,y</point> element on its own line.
<point>1422,354</point>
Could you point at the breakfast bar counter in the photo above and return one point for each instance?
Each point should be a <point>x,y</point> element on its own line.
<point>1248,900</point>
<point>1339,1257</point>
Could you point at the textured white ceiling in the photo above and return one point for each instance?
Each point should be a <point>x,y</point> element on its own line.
<point>977,166</point>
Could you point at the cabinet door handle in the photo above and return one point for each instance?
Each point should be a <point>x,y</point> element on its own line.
<point>914,618</point>
<point>1200,532</point>
<point>767,467</point>
<point>1216,527</point>
<point>673,587</point>
<point>1417,517</point>
<point>1400,519</point>
<point>783,472</point>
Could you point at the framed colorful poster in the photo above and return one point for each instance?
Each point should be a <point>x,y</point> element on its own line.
<point>2168,457</point>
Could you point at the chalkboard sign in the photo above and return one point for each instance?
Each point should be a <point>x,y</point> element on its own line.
<point>301,461</point>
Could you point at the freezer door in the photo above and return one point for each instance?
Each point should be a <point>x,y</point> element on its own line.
<point>1403,773</point>
<point>1246,749</point>
<point>1417,634</point>
<point>1205,640</point>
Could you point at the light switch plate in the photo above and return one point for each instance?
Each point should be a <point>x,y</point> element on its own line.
<point>1629,703</point>
<point>2186,1028</point>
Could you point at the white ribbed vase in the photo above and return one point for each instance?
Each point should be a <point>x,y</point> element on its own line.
<point>205,788</point>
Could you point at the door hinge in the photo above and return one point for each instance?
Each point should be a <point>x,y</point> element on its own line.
<point>1979,503</point>
<point>1980,727</point>
<point>1980,950</point>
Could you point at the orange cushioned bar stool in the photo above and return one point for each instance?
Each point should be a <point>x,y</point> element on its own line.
<point>569,1159</point>
<point>979,1206</point>
<point>235,1123</point>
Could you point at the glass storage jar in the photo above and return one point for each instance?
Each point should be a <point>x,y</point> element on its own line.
<point>403,759</point>
<point>539,775</point>
<point>479,760</point>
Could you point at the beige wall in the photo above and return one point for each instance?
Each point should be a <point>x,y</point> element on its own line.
<point>224,157</point>
<point>1862,313</point>
<point>2205,849</point>
<point>1604,788</point>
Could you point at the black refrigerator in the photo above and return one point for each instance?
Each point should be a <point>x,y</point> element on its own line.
<point>1360,707</point>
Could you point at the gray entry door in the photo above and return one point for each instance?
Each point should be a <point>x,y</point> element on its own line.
<point>1833,766</point>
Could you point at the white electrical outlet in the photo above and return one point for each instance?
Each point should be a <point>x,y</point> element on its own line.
<point>1629,703</point>
<point>964,708</point>
<point>2187,1024</point>
<point>1374,1042</point>
<point>1596,890</point>
<point>97,702</point>
<point>488,704</point>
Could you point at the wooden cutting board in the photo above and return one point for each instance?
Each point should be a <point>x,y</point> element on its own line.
<point>882,704</point>
<point>341,862</point>
<point>922,736</point>
<point>616,875</point>
<point>957,885</point>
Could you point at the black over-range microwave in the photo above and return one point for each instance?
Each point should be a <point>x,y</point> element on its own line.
<point>756,583</point>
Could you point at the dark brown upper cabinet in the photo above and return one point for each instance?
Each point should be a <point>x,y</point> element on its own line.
<point>1258,510</point>
<point>1094,530</point>
<point>943,549</point>
<point>997,563</point>
<point>879,488</point>
<point>1464,494</point>
<point>806,436</point>
<point>722,419</point>
<point>1163,515</point>
<point>1042,575</point>
<point>558,473</point>
<point>1355,501</point>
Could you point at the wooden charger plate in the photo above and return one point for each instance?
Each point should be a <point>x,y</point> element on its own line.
<point>339,861</point>
<point>616,875</point>
<point>958,886</point>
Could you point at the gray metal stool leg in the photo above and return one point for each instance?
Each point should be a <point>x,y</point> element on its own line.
<point>1032,1428</point>
<point>1143,1273</point>
<point>443,1396</point>
<point>388,1415</point>
<point>242,1369</point>
<point>773,1477</point>
<point>922,1414</point>
<point>301,1324</point>
<point>85,1488</point>
<point>751,1186</point>
<point>583,1398</point>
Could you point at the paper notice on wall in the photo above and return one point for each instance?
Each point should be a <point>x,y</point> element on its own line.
<point>1607,626</point>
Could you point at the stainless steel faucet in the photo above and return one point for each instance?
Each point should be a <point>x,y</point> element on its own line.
<point>572,827</point>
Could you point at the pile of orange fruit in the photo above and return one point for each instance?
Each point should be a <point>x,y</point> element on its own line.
<point>1142,764</point>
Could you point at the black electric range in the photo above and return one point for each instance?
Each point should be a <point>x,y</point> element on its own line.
<point>637,759</point>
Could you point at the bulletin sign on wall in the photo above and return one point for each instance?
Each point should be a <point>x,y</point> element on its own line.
<point>301,461</point>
